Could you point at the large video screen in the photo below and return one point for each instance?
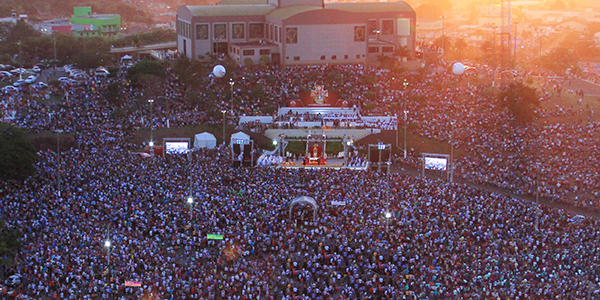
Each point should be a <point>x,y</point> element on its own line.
<point>176,147</point>
<point>434,163</point>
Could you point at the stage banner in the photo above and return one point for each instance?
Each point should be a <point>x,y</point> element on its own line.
<point>133,283</point>
<point>214,236</point>
<point>318,97</point>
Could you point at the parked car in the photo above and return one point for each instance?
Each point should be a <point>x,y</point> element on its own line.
<point>10,88</point>
<point>101,72</point>
<point>79,76</point>
<point>19,82</point>
<point>18,71</point>
<point>36,69</point>
<point>40,85</point>
<point>67,68</point>
<point>64,79</point>
<point>31,79</point>
<point>6,74</point>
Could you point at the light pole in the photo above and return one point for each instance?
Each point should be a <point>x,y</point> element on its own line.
<point>58,158</point>
<point>443,37</point>
<point>231,83</point>
<point>107,246</point>
<point>494,54</point>
<point>405,124</point>
<point>452,151</point>
<point>540,55</point>
<point>20,61</point>
<point>54,71</point>
<point>190,201</point>
<point>515,46</point>
<point>151,143</point>
<point>223,111</point>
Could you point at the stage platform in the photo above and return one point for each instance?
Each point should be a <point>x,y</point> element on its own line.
<point>331,133</point>
<point>332,163</point>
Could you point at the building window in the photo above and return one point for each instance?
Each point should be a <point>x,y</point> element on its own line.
<point>201,31</point>
<point>334,57</point>
<point>256,31</point>
<point>280,34</point>
<point>265,51</point>
<point>345,56</point>
<point>387,27</point>
<point>220,31</point>
<point>373,49</point>
<point>238,31</point>
<point>271,32</point>
<point>249,52</point>
<point>322,57</point>
<point>372,26</point>
<point>357,56</point>
<point>296,57</point>
<point>387,49</point>
<point>291,35</point>
<point>359,33</point>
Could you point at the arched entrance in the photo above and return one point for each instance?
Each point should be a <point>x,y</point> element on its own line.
<point>302,201</point>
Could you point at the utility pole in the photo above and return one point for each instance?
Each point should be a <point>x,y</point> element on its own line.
<point>54,71</point>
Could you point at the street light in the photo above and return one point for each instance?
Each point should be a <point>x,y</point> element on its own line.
<point>405,124</point>
<point>107,246</point>
<point>443,36</point>
<point>58,157</point>
<point>223,111</point>
<point>515,46</point>
<point>452,151</point>
<point>190,201</point>
<point>151,144</point>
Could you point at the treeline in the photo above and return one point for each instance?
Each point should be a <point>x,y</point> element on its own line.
<point>22,45</point>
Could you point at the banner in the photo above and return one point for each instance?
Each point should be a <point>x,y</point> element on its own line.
<point>214,236</point>
<point>133,283</point>
<point>340,203</point>
<point>317,97</point>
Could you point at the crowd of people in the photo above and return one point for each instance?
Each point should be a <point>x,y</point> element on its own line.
<point>371,236</point>
<point>439,240</point>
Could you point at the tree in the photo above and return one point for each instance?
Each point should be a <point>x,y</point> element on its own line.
<point>9,244</point>
<point>520,100</point>
<point>402,52</point>
<point>17,155</point>
<point>559,60</point>
<point>146,67</point>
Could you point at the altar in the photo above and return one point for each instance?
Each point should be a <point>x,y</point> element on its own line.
<point>315,154</point>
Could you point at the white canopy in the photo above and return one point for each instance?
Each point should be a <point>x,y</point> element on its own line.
<point>126,57</point>
<point>205,140</point>
<point>240,136</point>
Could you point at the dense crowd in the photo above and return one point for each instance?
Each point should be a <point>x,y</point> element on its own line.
<point>441,240</point>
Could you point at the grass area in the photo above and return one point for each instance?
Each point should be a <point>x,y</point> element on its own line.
<point>415,144</point>
<point>183,132</point>
<point>47,140</point>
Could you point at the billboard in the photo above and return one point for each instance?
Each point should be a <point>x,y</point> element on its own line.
<point>176,147</point>
<point>435,163</point>
<point>318,96</point>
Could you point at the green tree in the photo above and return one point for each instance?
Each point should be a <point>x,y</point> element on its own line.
<point>113,93</point>
<point>9,244</point>
<point>146,67</point>
<point>17,155</point>
<point>559,60</point>
<point>520,100</point>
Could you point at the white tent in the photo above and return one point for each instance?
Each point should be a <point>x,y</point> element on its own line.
<point>238,137</point>
<point>126,57</point>
<point>205,140</point>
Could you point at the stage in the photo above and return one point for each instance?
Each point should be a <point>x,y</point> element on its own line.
<point>332,163</point>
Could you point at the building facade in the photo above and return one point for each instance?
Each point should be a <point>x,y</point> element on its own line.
<point>84,23</point>
<point>289,32</point>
